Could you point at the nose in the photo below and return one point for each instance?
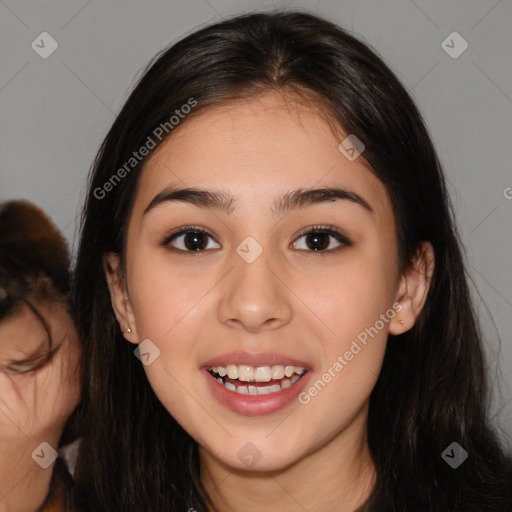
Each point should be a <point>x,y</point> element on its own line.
<point>255,296</point>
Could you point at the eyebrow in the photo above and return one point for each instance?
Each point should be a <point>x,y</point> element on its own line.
<point>36,358</point>
<point>223,201</point>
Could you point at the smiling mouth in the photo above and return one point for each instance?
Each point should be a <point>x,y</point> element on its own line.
<point>257,380</point>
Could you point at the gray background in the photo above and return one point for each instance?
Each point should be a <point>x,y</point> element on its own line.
<point>56,111</point>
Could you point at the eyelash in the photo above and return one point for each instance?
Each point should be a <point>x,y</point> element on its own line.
<point>41,361</point>
<point>318,229</point>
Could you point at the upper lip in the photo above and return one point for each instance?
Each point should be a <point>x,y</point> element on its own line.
<point>257,359</point>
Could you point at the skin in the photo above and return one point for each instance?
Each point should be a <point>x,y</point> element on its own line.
<point>197,307</point>
<point>34,404</point>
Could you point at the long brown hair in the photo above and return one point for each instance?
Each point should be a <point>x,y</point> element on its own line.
<point>34,260</point>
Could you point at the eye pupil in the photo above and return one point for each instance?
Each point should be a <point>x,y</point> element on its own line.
<point>191,240</point>
<point>316,236</point>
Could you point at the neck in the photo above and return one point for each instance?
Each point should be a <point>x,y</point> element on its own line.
<point>338,476</point>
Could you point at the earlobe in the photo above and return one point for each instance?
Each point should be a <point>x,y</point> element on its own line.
<point>413,289</point>
<point>120,301</point>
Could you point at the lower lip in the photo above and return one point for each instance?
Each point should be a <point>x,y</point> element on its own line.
<point>255,405</point>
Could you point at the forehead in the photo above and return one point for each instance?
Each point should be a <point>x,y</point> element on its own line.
<point>21,332</point>
<point>256,148</point>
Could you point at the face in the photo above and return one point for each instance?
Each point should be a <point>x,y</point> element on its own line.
<point>38,393</point>
<point>253,328</point>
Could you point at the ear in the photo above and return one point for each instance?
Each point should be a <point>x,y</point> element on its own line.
<point>119,297</point>
<point>413,289</point>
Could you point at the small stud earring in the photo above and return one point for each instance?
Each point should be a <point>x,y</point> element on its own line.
<point>401,322</point>
<point>128,331</point>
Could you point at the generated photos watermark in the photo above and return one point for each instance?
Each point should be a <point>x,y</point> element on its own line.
<point>159,133</point>
<point>355,348</point>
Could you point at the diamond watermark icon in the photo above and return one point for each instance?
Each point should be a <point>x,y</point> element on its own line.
<point>147,352</point>
<point>454,455</point>
<point>454,45</point>
<point>249,455</point>
<point>351,147</point>
<point>45,455</point>
<point>44,45</point>
<point>249,249</point>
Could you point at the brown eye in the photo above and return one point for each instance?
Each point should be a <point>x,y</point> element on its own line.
<point>193,239</point>
<point>318,239</point>
<point>189,239</point>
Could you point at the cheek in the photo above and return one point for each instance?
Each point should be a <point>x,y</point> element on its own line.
<point>175,379</point>
<point>353,352</point>
<point>170,304</point>
<point>165,294</point>
<point>354,301</point>
<point>351,297</point>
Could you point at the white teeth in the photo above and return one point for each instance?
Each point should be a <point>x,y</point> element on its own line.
<point>266,390</point>
<point>262,374</point>
<point>248,373</point>
<point>259,390</point>
<point>230,386</point>
<point>232,371</point>
<point>277,372</point>
<point>288,371</point>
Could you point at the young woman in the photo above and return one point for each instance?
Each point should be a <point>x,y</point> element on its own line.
<point>39,353</point>
<point>271,294</point>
